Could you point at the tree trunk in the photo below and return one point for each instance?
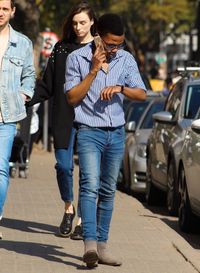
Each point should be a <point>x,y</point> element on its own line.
<point>26,21</point>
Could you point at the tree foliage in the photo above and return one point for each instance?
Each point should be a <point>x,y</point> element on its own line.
<point>145,20</point>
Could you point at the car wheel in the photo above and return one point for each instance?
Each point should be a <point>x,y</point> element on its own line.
<point>126,177</point>
<point>185,213</point>
<point>152,193</point>
<point>172,190</point>
<point>120,179</point>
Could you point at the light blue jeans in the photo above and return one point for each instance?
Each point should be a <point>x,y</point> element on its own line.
<point>100,152</point>
<point>7,134</point>
<point>64,171</point>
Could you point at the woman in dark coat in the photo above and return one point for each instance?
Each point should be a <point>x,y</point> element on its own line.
<point>78,30</point>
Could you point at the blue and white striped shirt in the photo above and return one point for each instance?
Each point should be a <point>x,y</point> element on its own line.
<point>93,111</point>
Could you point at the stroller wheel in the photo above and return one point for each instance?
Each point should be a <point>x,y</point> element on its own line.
<point>13,172</point>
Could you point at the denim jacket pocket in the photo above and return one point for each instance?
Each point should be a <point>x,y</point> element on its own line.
<point>14,104</point>
<point>16,65</point>
<point>16,61</point>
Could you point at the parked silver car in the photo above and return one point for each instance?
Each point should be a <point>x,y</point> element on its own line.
<point>134,161</point>
<point>133,112</point>
<point>189,181</point>
<point>165,142</point>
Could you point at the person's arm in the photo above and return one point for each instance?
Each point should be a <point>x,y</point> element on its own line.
<point>44,86</point>
<point>79,91</point>
<point>130,83</point>
<point>28,74</point>
<point>131,93</point>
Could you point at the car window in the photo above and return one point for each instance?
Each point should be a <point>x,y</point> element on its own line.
<point>198,113</point>
<point>148,120</point>
<point>192,101</point>
<point>126,103</point>
<point>135,111</point>
<point>174,99</point>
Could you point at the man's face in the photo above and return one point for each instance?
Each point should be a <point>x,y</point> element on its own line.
<point>6,12</point>
<point>112,43</point>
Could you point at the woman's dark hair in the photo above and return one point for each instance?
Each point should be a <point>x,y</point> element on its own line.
<point>68,34</point>
<point>110,23</point>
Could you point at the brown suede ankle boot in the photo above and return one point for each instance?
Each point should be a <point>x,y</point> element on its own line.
<point>90,257</point>
<point>104,257</point>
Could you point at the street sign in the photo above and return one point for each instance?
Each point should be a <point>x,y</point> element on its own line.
<point>49,40</point>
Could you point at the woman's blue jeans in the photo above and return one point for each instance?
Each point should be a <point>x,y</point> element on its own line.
<point>7,134</point>
<point>64,170</point>
<point>100,152</point>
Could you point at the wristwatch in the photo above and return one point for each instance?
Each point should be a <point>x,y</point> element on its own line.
<point>122,89</point>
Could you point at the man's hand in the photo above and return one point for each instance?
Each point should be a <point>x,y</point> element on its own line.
<point>24,97</point>
<point>108,92</point>
<point>98,59</point>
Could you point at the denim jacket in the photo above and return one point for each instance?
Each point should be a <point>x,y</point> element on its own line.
<point>17,75</point>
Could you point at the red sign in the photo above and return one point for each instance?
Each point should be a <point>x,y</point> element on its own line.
<point>49,40</point>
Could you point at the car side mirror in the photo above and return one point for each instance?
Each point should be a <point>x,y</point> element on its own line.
<point>130,127</point>
<point>196,126</point>
<point>163,116</point>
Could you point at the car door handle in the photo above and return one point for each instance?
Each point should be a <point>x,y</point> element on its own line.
<point>187,137</point>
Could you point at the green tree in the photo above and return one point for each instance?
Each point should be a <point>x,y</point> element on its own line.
<point>147,21</point>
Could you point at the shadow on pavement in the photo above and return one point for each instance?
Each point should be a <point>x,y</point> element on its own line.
<point>161,213</point>
<point>192,238</point>
<point>28,226</point>
<point>47,252</point>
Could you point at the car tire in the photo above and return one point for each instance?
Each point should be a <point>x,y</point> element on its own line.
<point>153,194</point>
<point>185,215</point>
<point>120,180</point>
<point>172,189</point>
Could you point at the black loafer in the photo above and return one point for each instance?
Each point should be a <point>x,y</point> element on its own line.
<point>65,228</point>
<point>77,234</point>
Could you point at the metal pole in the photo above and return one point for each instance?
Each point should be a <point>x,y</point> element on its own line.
<point>198,29</point>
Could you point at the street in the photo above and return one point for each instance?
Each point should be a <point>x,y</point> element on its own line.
<point>147,240</point>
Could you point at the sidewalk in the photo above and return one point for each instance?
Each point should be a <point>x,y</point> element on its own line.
<point>146,242</point>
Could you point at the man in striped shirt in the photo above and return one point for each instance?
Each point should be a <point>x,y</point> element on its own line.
<point>97,79</point>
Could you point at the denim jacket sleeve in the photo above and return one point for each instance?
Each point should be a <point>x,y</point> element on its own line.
<point>28,73</point>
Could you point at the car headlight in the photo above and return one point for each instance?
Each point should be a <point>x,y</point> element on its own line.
<point>141,150</point>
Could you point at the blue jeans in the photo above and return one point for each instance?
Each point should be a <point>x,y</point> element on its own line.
<point>100,153</point>
<point>7,134</point>
<point>64,170</point>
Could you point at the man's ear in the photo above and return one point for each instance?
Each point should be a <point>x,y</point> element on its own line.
<point>13,12</point>
<point>92,22</point>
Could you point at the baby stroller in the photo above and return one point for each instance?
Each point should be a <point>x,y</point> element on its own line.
<point>19,159</point>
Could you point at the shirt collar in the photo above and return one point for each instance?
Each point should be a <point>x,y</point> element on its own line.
<point>13,36</point>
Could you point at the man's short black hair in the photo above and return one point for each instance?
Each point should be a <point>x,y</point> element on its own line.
<point>110,23</point>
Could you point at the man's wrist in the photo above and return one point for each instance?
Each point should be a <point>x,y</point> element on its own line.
<point>121,88</point>
<point>93,72</point>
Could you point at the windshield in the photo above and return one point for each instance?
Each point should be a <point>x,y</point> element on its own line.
<point>148,119</point>
<point>135,111</point>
